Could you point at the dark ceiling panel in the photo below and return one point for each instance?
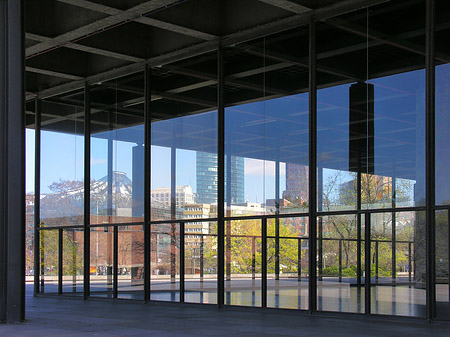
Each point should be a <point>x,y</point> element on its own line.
<point>73,62</point>
<point>37,82</point>
<point>138,40</point>
<point>51,18</point>
<point>221,17</point>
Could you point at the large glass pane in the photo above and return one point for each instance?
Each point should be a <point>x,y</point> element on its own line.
<point>165,262</point>
<point>442,161</point>
<point>130,268</point>
<point>184,176</point>
<point>287,263</point>
<point>49,263</point>
<point>266,125</point>
<point>101,258</point>
<point>62,160</point>
<point>29,203</point>
<point>117,150</point>
<point>200,245</point>
<point>243,260</point>
<point>371,111</point>
<point>442,106</point>
<point>398,270</point>
<point>340,264</point>
<point>73,261</point>
<point>396,79</point>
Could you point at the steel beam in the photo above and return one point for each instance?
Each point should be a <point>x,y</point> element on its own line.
<point>99,25</point>
<point>52,73</point>
<point>142,19</point>
<point>208,46</point>
<point>88,49</point>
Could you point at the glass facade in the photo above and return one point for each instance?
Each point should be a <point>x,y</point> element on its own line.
<point>291,171</point>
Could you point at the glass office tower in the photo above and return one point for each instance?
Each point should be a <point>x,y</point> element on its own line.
<point>207,178</point>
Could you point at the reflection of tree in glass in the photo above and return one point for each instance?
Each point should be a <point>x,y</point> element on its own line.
<point>375,191</point>
<point>72,252</point>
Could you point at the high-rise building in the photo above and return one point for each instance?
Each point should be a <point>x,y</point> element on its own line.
<point>162,196</point>
<point>207,178</point>
<point>296,182</point>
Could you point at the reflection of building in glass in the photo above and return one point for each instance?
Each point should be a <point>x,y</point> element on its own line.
<point>207,178</point>
<point>296,183</point>
<point>162,196</point>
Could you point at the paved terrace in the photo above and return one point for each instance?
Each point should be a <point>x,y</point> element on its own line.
<point>72,317</point>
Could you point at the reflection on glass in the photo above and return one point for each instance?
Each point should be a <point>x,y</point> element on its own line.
<point>442,265</point>
<point>49,246</point>
<point>200,244</point>
<point>340,264</point>
<point>165,262</point>
<point>184,167</point>
<point>266,146</point>
<point>287,263</point>
<point>243,263</point>
<point>101,263</point>
<point>267,125</point>
<point>337,186</point>
<point>29,204</point>
<point>117,151</point>
<point>442,127</point>
<point>398,178</point>
<point>398,274</point>
<point>62,160</point>
<point>73,261</point>
<point>130,269</point>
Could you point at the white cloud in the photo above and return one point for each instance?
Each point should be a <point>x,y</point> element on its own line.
<point>98,161</point>
<point>259,167</point>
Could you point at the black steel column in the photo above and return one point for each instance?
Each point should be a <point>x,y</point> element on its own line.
<point>12,162</point>
<point>277,220</point>
<point>220,176</point>
<point>115,268</point>
<point>299,259</point>
<point>320,222</point>
<point>358,226</point>
<point>60,261</point>
<point>110,252</point>
<point>448,253</point>
<point>367,262</point>
<point>430,158</point>
<point>376,261</point>
<point>340,260</point>
<point>147,182</point>
<point>87,188</point>
<point>312,167</point>
<point>264,263</point>
<point>394,230</point>
<point>182,262</point>
<point>37,193</point>
<point>173,209</point>
<point>228,203</point>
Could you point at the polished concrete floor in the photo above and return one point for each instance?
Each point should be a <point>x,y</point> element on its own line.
<point>71,317</point>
